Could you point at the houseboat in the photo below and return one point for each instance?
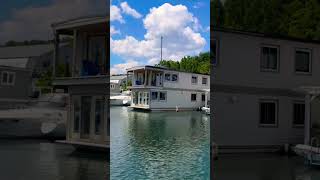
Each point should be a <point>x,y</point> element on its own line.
<point>265,88</point>
<point>159,88</point>
<point>88,113</point>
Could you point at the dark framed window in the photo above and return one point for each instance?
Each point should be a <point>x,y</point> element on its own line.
<point>204,81</point>
<point>298,113</point>
<point>269,58</point>
<point>167,77</point>
<point>303,61</point>
<point>194,80</point>
<point>203,97</point>
<point>154,96</point>
<point>174,77</point>
<point>193,97</point>
<point>162,96</point>
<point>268,113</point>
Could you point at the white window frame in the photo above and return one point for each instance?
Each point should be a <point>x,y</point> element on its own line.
<point>310,60</point>
<point>8,77</point>
<point>276,102</point>
<point>278,58</point>
<point>165,96</point>
<point>157,99</point>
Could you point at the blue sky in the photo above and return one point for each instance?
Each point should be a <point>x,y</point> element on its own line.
<point>136,31</point>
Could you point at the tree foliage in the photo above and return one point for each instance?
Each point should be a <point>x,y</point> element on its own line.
<point>296,18</point>
<point>195,64</point>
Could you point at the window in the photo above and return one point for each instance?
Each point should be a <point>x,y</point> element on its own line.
<point>204,81</point>
<point>214,52</point>
<point>268,112</point>
<point>303,61</point>
<point>154,96</point>
<point>269,58</point>
<point>99,115</point>
<point>203,97</point>
<point>174,77</point>
<point>112,86</point>
<point>162,96</point>
<point>8,78</point>
<point>96,53</point>
<point>167,77</point>
<point>298,113</point>
<point>193,97</point>
<point>194,80</point>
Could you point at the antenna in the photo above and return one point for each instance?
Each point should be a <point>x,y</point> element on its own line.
<point>161,48</point>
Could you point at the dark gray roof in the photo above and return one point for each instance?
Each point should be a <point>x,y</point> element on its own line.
<point>25,51</point>
<point>263,35</point>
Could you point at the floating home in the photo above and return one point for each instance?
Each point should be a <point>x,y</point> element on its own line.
<point>86,80</point>
<point>265,90</point>
<point>158,88</point>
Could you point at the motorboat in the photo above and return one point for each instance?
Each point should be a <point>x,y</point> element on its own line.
<point>45,117</point>
<point>206,110</point>
<point>311,153</point>
<point>123,99</point>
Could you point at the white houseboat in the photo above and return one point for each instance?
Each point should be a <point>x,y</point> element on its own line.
<point>261,97</point>
<point>158,88</point>
<point>88,114</point>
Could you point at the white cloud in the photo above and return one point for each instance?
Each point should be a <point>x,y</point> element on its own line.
<point>180,37</point>
<point>35,22</point>
<point>115,14</point>
<point>198,5</point>
<point>121,68</point>
<point>114,31</point>
<point>130,11</point>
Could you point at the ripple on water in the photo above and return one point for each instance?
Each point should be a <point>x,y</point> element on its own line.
<point>159,145</point>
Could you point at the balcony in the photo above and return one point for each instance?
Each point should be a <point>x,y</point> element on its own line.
<point>146,77</point>
<point>87,38</point>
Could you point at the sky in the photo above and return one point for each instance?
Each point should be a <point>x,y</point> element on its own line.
<point>31,19</point>
<point>136,30</point>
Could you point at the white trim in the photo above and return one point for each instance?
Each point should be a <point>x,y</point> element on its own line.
<point>8,77</point>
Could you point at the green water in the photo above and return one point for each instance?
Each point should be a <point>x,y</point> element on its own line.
<point>44,160</point>
<point>159,145</point>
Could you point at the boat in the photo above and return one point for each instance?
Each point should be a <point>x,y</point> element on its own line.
<point>124,99</point>
<point>311,153</point>
<point>45,117</point>
<point>206,110</point>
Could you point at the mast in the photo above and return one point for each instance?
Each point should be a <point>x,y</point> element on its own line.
<point>161,49</point>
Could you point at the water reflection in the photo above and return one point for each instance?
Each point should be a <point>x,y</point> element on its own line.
<point>38,160</point>
<point>263,167</point>
<point>157,145</point>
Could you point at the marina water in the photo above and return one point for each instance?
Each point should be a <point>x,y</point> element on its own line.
<point>159,145</point>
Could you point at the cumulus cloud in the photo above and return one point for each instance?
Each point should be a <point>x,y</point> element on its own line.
<point>115,14</point>
<point>114,31</point>
<point>121,68</point>
<point>130,11</point>
<point>35,22</point>
<point>179,29</point>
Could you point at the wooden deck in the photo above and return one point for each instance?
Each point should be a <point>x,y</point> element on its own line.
<point>86,145</point>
